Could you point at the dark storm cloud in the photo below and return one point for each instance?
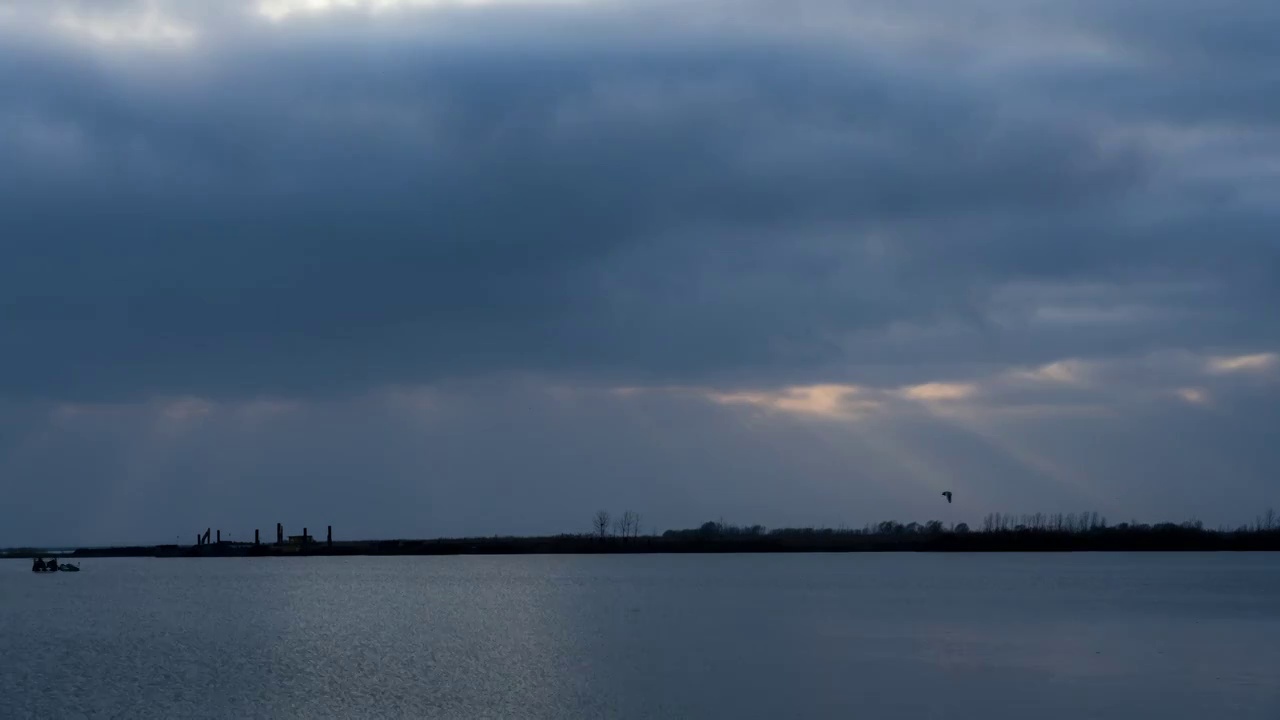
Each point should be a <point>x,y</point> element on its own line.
<point>327,204</point>
<point>388,269</point>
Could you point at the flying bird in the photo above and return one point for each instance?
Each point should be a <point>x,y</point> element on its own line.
<point>947,494</point>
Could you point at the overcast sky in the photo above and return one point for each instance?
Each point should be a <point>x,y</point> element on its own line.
<point>422,268</point>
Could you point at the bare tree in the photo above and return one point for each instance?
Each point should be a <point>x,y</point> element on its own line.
<point>627,525</point>
<point>601,523</point>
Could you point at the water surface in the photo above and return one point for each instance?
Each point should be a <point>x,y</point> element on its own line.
<point>678,636</point>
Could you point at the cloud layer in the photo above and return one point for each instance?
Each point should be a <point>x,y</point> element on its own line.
<point>883,218</point>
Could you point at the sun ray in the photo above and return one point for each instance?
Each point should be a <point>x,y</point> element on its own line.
<point>969,423</point>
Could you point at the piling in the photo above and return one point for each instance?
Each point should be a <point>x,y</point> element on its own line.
<point>305,537</point>
<point>255,536</point>
<point>219,537</point>
<point>279,534</point>
<point>329,537</point>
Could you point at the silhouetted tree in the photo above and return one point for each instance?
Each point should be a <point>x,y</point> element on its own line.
<point>627,525</point>
<point>601,523</point>
<point>962,528</point>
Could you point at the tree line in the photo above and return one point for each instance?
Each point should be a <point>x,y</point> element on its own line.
<point>1083,523</point>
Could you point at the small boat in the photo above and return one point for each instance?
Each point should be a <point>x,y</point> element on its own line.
<point>51,565</point>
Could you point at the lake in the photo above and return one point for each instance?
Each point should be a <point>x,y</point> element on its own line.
<point>894,635</point>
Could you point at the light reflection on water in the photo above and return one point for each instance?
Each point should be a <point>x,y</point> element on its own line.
<point>873,635</point>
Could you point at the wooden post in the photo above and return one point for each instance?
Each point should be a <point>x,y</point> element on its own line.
<point>329,539</point>
<point>255,536</point>
<point>219,537</point>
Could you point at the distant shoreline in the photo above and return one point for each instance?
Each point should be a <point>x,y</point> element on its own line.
<point>984,542</point>
<point>1037,532</point>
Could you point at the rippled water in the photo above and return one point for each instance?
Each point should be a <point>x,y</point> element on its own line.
<point>739,636</point>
